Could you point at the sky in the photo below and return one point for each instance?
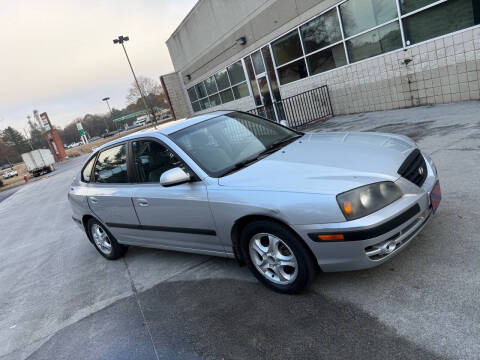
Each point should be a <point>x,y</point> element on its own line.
<point>58,56</point>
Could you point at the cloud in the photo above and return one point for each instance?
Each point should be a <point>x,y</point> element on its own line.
<point>58,56</point>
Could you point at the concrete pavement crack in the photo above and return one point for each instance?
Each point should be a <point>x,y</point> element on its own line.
<point>135,293</point>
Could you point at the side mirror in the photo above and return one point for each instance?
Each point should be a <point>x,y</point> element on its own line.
<point>175,176</point>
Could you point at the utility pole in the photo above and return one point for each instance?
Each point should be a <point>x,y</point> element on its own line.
<point>121,39</point>
<point>29,140</point>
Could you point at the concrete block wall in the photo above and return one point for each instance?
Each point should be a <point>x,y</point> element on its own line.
<point>177,94</point>
<point>438,71</point>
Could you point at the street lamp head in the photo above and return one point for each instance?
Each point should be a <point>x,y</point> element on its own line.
<point>106,99</point>
<point>121,39</point>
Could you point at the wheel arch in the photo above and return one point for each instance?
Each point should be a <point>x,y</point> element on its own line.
<point>240,224</point>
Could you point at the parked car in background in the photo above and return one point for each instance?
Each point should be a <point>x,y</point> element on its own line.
<point>9,174</point>
<point>284,202</point>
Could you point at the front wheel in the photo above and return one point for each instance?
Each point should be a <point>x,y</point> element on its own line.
<point>104,241</point>
<point>277,256</point>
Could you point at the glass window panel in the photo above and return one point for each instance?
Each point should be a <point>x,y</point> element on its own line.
<point>210,85</point>
<point>192,94</point>
<point>152,159</point>
<point>287,48</point>
<point>376,42</point>
<point>442,19</point>
<point>271,73</point>
<point>215,100</point>
<point>360,15</point>
<point>328,59</point>
<point>226,95</point>
<point>111,166</point>
<point>258,62</point>
<point>87,170</point>
<point>222,79</point>
<point>291,72</point>
<point>410,5</point>
<point>235,71</point>
<point>321,31</point>
<point>196,106</point>
<point>204,103</point>
<point>201,91</point>
<point>240,91</point>
<point>253,80</point>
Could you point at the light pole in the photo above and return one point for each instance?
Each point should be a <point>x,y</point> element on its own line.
<point>109,108</point>
<point>121,39</point>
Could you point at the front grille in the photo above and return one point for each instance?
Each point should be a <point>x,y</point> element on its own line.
<point>414,168</point>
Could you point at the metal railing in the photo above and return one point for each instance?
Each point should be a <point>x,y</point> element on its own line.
<point>301,109</point>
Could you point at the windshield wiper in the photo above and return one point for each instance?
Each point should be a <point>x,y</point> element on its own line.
<point>270,149</point>
<point>280,143</point>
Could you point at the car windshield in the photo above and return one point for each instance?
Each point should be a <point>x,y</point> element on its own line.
<point>229,142</point>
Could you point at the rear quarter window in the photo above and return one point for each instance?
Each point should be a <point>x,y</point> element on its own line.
<point>87,170</point>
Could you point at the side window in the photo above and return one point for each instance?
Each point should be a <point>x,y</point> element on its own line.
<point>111,166</point>
<point>152,159</point>
<point>87,170</point>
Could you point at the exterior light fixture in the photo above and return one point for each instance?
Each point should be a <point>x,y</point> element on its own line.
<point>242,40</point>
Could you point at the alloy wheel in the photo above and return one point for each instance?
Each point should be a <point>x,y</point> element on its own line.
<point>101,239</point>
<point>273,258</point>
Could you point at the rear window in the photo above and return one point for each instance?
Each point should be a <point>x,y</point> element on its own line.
<point>111,166</point>
<point>87,170</point>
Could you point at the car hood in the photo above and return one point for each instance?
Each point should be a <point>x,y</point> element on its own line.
<point>328,163</point>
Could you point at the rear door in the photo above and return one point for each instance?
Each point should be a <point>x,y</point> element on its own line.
<point>109,194</point>
<point>175,217</point>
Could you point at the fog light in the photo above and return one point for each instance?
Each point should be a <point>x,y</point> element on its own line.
<point>389,247</point>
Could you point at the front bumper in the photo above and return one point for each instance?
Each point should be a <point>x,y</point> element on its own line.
<point>378,237</point>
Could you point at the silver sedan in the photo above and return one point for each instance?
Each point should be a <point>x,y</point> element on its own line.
<point>283,202</point>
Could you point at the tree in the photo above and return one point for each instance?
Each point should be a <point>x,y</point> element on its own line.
<point>36,137</point>
<point>15,139</point>
<point>8,155</point>
<point>148,86</point>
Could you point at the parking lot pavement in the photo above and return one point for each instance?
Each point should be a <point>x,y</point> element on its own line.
<point>60,299</point>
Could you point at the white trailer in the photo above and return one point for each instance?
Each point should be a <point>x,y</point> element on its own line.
<point>39,161</point>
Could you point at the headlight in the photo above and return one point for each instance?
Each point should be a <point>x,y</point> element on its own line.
<point>367,199</point>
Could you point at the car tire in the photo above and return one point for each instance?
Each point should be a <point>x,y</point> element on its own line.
<point>104,241</point>
<point>277,256</point>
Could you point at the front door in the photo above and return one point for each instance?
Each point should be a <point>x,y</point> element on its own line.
<point>109,193</point>
<point>176,217</point>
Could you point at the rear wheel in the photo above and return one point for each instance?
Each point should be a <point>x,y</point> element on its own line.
<point>277,256</point>
<point>104,241</point>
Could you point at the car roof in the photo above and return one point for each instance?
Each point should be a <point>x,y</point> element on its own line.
<point>169,127</point>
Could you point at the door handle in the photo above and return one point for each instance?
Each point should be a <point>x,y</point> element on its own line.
<point>142,202</point>
<point>93,200</point>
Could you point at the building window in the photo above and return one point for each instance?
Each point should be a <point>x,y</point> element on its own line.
<point>407,6</point>
<point>222,79</point>
<point>211,86</point>
<point>293,71</point>
<point>321,31</point>
<point>258,62</point>
<point>375,42</point>
<point>236,73</point>
<point>240,91</point>
<point>287,48</point>
<point>442,19</point>
<point>361,15</point>
<point>328,59</point>
<point>226,85</point>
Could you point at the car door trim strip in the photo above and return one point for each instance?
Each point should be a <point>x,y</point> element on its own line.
<point>164,228</point>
